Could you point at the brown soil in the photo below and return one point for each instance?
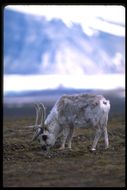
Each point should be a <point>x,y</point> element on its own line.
<point>26,165</point>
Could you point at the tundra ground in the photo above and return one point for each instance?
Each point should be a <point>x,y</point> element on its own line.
<point>26,165</point>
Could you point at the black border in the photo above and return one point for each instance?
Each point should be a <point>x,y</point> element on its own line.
<point>3,4</point>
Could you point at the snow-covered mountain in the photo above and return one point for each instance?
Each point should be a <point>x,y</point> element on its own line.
<point>35,45</point>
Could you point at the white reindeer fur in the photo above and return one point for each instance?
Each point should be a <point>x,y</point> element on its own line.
<point>79,110</point>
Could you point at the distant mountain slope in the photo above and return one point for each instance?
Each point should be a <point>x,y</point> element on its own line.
<point>34,45</point>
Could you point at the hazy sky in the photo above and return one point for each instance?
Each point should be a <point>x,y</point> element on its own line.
<point>109,18</point>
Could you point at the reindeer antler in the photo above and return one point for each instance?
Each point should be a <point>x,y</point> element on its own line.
<point>37,115</point>
<point>42,107</point>
<point>40,113</point>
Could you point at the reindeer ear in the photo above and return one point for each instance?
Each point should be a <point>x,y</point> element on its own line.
<point>44,137</point>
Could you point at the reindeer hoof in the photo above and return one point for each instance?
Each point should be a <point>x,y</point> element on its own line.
<point>91,149</point>
<point>69,149</point>
<point>61,148</point>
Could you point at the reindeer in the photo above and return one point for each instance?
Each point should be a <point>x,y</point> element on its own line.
<point>70,111</point>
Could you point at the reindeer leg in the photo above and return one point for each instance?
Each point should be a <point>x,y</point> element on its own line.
<point>65,134</point>
<point>96,138</point>
<point>70,135</point>
<point>106,138</point>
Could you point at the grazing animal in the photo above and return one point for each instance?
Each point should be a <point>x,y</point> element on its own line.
<point>70,111</point>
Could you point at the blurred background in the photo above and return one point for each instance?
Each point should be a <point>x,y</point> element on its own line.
<point>54,50</point>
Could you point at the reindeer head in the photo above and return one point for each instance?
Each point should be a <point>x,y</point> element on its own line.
<point>41,132</point>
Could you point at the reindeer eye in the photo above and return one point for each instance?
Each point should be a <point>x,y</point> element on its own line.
<point>104,102</point>
<point>41,130</point>
<point>44,137</point>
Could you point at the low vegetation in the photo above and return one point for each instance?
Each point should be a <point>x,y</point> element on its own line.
<point>26,165</point>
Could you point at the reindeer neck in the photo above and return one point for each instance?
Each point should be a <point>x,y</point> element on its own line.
<point>52,122</point>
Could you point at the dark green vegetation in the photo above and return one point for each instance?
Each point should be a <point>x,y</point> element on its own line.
<point>26,165</point>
